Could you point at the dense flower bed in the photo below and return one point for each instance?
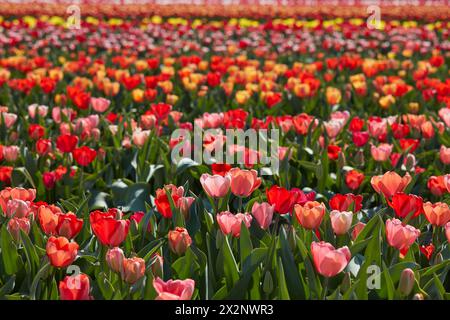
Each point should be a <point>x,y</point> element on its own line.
<point>93,206</point>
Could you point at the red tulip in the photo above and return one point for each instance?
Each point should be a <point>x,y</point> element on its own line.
<point>333,152</point>
<point>61,252</point>
<point>406,205</point>
<point>84,155</point>
<point>66,142</point>
<point>43,146</point>
<point>109,227</point>
<point>220,169</point>
<point>281,198</point>
<point>75,287</point>
<point>353,179</point>
<point>347,202</point>
<point>69,225</point>
<point>360,138</point>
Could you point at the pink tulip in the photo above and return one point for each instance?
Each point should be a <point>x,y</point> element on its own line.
<point>11,153</point>
<point>231,223</point>
<point>437,214</point>
<point>382,152</point>
<point>148,121</point>
<point>39,109</point>
<point>16,224</point>
<point>357,229</point>
<point>114,259</point>
<point>100,104</point>
<point>174,289</point>
<point>328,260</point>
<point>9,119</point>
<point>17,208</point>
<point>444,113</point>
<point>215,186</point>
<point>244,182</point>
<point>140,136</point>
<point>263,214</point>
<point>310,215</point>
<point>444,155</point>
<point>399,236</point>
<point>341,221</point>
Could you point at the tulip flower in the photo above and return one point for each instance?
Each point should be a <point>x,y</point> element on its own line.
<point>282,199</point>
<point>263,213</point>
<point>329,261</point>
<point>437,214</point>
<point>66,143</point>
<point>406,205</point>
<point>61,252</point>
<point>390,183</point>
<point>69,225</point>
<point>310,215</point>
<point>174,289</point>
<point>84,155</point>
<point>109,227</point>
<point>75,287</point>
<point>244,182</point>
<point>215,186</point>
<point>407,281</point>
<point>382,152</point>
<point>444,155</point>
<point>100,104</point>
<point>163,204</point>
<point>17,224</point>
<point>353,179</point>
<point>341,221</point>
<point>179,240</point>
<point>357,229</point>
<point>133,269</point>
<point>231,223</point>
<point>400,236</point>
<point>115,258</point>
<point>346,202</point>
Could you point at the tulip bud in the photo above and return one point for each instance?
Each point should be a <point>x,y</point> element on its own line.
<point>179,240</point>
<point>418,296</point>
<point>406,283</point>
<point>438,259</point>
<point>114,258</point>
<point>268,283</point>
<point>157,265</point>
<point>346,282</point>
<point>133,269</point>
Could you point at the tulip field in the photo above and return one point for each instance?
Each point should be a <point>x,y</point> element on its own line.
<point>95,205</point>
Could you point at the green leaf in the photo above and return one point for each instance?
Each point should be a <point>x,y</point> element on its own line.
<point>9,253</point>
<point>283,292</point>
<point>245,243</point>
<point>8,286</point>
<point>40,275</point>
<point>230,267</point>
<point>294,282</point>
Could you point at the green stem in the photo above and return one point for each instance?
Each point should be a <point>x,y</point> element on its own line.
<point>325,289</point>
